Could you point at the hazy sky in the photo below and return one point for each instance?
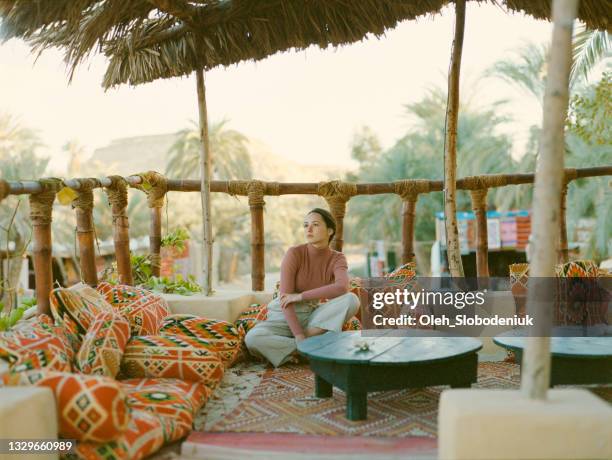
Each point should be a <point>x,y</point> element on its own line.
<point>305,105</point>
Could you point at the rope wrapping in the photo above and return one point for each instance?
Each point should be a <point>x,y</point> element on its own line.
<point>256,191</point>
<point>479,199</point>
<point>117,196</point>
<point>336,193</point>
<point>155,185</point>
<point>41,204</point>
<point>84,200</point>
<point>409,189</point>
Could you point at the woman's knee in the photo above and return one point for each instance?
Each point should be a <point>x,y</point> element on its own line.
<point>354,302</point>
<point>254,338</point>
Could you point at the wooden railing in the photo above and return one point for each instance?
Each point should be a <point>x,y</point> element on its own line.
<point>336,193</point>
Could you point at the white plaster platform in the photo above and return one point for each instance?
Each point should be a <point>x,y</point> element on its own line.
<point>503,424</point>
<point>27,413</point>
<point>223,305</point>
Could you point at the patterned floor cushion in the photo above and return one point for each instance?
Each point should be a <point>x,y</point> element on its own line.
<point>170,357</point>
<point>175,401</point>
<point>222,335</point>
<point>103,345</point>
<point>35,347</point>
<point>120,295</point>
<point>248,318</point>
<point>144,309</point>
<point>352,324</point>
<point>90,408</point>
<point>142,437</point>
<point>79,306</point>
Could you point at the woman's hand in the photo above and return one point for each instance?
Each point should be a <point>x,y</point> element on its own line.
<point>287,299</point>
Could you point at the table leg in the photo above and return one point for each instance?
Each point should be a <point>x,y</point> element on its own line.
<point>357,405</point>
<point>323,389</point>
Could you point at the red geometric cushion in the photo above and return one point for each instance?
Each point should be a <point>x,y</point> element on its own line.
<point>403,277</point>
<point>79,306</point>
<point>171,357</point>
<point>90,408</point>
<point>143,309</point>
<point>352,324</point>
<point>146,314</point>
<point>219,336</point>
<point>103,345</point>
<point>175,401</point>
<point>120,295</point>
<point>33,347</point>
<point>248,318</point>
<point>142,437</point>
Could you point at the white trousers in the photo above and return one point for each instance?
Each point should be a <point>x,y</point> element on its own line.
<point>273,338</point>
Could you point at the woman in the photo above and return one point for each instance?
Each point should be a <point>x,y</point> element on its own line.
<point>309,272</point>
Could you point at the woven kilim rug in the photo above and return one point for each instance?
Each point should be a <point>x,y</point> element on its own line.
<point>284,402</point>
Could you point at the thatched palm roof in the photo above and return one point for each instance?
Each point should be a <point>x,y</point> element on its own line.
<point>150,39</point>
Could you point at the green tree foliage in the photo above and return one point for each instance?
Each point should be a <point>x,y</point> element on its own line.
<point>588,138</point>
<point>419,155</point>
<point>18,161</point>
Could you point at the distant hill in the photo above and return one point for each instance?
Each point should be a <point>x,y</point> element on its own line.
<point>132,155</point>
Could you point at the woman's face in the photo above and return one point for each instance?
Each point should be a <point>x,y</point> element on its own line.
<point>315,230</point>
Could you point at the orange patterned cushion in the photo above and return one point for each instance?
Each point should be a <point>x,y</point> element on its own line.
<point>216,335</point>
<point>175,401</point>
<point>403,277</point>
<point>34,347</point>
<point>78,306</point>
<point>143,309</point>
<point>143,436</point>
<point>103,345</point>
<point>90,408</point>
<point>248,318</point>
<point>171,357</point>
<point>352,324</point>
<point>120,295</point>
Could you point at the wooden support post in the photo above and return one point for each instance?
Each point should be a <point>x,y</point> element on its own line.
<point>338,210</point>
<point>549,180</point>
<point>563,247</point>
<point>256,204</point>
<point>83,206</point>
<point>479,206</point>
<point>337,194</point>
<point>118,199</point>
<point>450,147</point>
<point>155,186</point>
<point>155,226</point>
<point>408,215</point>
<point>41,209</point>
<point>205,175</point>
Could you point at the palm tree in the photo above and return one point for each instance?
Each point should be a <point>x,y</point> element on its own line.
<point>231,160</point>
<point>588,140</point>
<point>589,47</point>
<point>419,154</point>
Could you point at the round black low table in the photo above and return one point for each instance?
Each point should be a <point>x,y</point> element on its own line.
<point>420,358</point>
<point>574,360</point>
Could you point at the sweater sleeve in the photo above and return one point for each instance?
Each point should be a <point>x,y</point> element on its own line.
<point>288,272</point>
<point>289,267</point>
<point>337,288</point>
